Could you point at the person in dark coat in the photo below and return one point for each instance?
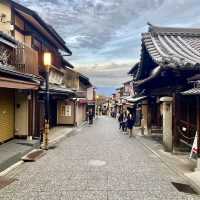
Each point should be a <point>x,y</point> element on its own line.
<point>120,119</point>
<point>124,123</point>
<point>90,116</point>
<point>130,124</point>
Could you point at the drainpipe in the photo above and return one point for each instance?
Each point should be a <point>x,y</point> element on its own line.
<point>75,103</point>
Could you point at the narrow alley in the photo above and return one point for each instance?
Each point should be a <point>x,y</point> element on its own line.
<point>95,163</point>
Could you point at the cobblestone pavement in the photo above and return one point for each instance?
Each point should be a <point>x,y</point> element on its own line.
<point>95,163</point>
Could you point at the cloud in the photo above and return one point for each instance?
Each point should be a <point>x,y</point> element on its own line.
<point>106,35</point>
<point>107,75</point>
<point>96,20</point>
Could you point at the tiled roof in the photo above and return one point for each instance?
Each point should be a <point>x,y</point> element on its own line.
<point>53,87</point>
<point>8,40</point>
<point>136,99</point>
<point>180,46</point>
<point>22,10</point>
<point>193,91</point>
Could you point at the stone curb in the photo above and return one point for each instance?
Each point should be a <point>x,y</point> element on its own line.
<point>12,167</point>
<point>51,142</point>
<point>59,138</point>
<point>194,185</point>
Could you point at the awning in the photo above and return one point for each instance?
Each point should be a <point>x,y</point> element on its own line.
<point>193,91</point>
<point>91,102</point>
<point>10,44</point>
<point>136,99</point>
<point>17,84</point>
<point>60,89</point>
<point>82,100</point>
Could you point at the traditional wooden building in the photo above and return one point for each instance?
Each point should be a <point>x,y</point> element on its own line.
<point>34,37</point>
<point>195,127</point>
<point>169,56</point>
<point>18,92</point>
<point>73,110</point>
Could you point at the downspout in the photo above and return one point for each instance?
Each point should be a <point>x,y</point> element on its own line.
<point>75,103</point>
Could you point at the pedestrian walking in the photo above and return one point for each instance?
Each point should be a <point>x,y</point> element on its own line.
<point>90,116</point>
<point>124,123</point>
<point>130,124</point>
<point>120,119</point>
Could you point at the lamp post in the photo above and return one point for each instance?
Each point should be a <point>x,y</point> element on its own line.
<point>47,64</point>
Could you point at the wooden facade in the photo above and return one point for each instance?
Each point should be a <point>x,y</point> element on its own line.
<point>169,56</point>
<point>28,39</point>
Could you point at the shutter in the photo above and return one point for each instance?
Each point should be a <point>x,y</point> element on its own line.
<point>6,115</point>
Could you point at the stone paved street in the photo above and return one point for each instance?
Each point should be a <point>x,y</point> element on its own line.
<point>95,163</point>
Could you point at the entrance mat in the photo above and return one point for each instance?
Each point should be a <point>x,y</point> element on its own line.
<point>5,181</point>
<point>33,155</point>
<point>184,188</point>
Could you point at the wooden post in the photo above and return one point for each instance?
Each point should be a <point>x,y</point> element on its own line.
<point>30,114</point>
<point>167,123</point>
<point>174,118</point>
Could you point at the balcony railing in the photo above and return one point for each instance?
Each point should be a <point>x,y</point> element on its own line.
<point>26,59</point>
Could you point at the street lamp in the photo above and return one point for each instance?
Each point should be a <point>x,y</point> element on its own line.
<point>47,64</point>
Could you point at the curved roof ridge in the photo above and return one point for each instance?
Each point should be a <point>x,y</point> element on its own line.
<point>173,30</point>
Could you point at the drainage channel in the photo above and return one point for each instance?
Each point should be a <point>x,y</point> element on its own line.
<point>185,188</point>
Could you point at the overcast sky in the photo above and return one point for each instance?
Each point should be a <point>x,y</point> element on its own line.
<point>105,35</point>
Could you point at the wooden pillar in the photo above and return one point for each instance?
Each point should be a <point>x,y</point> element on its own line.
<point>30,115</point>
<point>167,123</point>
<point>175,117</point>
<point>145,118</point>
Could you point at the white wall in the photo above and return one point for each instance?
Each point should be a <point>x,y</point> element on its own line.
<point>90,93</point>
<point>80,113</point>
<point>5,9</point>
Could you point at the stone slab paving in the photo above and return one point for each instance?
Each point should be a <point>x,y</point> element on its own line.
<point>12,151</point>
<point>96,163</point>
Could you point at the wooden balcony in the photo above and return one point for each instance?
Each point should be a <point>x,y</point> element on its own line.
<point>26,60</point>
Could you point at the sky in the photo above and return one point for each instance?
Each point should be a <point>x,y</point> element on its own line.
<point>105,35</point>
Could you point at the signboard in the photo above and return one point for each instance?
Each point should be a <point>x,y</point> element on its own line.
<point>194,149</point>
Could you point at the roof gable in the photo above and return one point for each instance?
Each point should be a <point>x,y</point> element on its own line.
<point>41,25</point>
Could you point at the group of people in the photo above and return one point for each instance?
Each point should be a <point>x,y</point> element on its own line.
<point>126,122</point>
